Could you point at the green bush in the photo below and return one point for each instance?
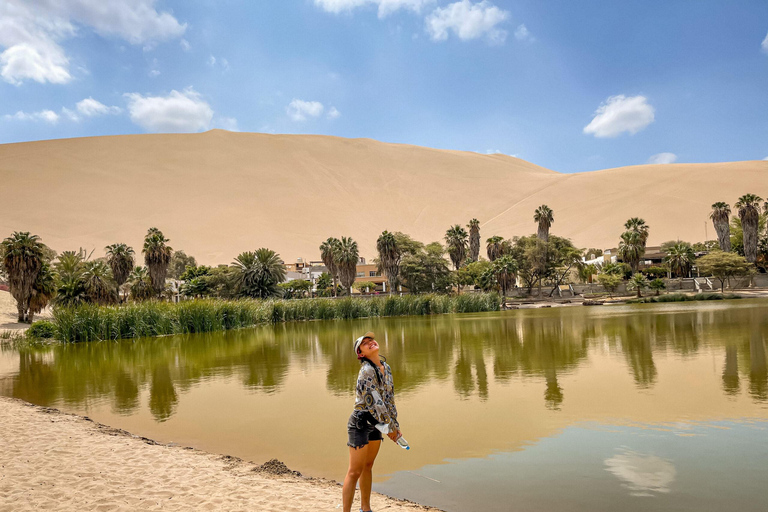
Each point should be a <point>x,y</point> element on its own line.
<point>681,297</point>
<point>42,329</point>
<point>89,322</point>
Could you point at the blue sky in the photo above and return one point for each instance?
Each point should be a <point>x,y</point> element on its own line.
<point>572,86</point>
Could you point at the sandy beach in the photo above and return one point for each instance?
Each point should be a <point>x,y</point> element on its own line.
<point>56,461</point>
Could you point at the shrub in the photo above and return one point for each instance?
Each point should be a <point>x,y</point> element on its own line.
<point>42,329</point>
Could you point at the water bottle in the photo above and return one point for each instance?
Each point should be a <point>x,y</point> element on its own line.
<point>403,443</point>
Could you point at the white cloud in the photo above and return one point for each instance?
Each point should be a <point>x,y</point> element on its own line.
<point>49,116</point>
<point>467,21</point>
<point>154,72</point>
<point>31,32</point>
<point>90,107</point>
<point>621,114</point>
<point>765,44</point>
<point>385,7</point>
<point>766,158</point>
<point>182,111</point>
<point>299,110</point>
<point>333,113</point>
<point>185,45</point>
<point>71,114</point>
<point>211,61</point>
<point>523,34</point>
<point>642,474</point>
<point>663,158</point>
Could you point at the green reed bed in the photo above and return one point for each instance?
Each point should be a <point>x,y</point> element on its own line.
<point>88,322</point>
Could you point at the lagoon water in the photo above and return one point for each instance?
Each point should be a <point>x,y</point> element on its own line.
<point>642,407</point>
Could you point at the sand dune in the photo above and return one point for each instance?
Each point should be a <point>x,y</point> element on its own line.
<point>218,193</point>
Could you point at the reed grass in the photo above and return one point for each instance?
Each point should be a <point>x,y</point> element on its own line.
<point>89,322</point>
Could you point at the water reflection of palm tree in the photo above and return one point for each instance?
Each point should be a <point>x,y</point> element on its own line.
<point>758,373</point>
<point>731,370</point>
<point>126,393</point>
<point>36,381</point>
<point>162,394</point>
<point>267,366</point>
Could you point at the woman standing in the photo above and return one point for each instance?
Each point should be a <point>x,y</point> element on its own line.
<point>374,405</point>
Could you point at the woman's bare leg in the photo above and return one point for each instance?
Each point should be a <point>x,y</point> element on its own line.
<point>357,458</point>
<point>366,478</point>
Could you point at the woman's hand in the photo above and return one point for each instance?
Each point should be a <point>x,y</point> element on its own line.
<point>394,436</point>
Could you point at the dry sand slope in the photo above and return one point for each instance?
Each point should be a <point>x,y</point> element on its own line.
<point>55,461</point>
<point>216,194</point>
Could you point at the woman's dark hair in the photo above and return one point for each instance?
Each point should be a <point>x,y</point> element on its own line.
<point>364,360</point>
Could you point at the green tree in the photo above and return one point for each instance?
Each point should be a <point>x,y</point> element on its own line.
<point>296,288</point>
<point>456,240</point>
<point>390,255</point>
<point>324,284</point>
<point>364,286</point>
<point>610,282</point>
<point>723,265</point>
<point>23,257</point>
<point>157,257</point>
<point>748,206</point>
<point>474,239</point>
<point>632,248</point>
<point>120,258</point>
<point>426,270</point>
<point>346,257</point>
<point>470,274</point>
<point>196,287</point>
<point>720,218</point>
<point>497,247</point>
<point>43,291</point>
<point>593,253</point>
<point>638,282</point>
<point>563,259</point>
<point>544,217</point>
<point>327,251</point>
<point>179,263</point>
<point>98,283</point>
<point>680,258</point>
<point>504,270</point>
<point>140,284</point>
<point>657,285</point>
<point>257,273</point>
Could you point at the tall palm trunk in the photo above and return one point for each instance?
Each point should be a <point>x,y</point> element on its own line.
<point>749,223</point>
<point>723,229</point>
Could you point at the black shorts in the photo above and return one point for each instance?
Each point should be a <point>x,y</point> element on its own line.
<point>361,428</point>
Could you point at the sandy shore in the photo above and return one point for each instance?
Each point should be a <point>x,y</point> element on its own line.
<point>56,461</point>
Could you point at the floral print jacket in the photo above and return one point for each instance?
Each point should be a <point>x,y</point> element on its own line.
<point>377,399</point>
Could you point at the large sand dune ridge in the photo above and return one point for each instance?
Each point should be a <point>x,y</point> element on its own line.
<point>218,193</point>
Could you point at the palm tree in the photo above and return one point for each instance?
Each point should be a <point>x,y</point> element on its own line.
<point>258,273</point>
<point>120,260</point>
<point>638,282</point>
<point>43,291</point>
<point>23,258</point>
<point>157,256</point>
<point>389,257</point>
<point>140,284</point>
<point>326,254</point>
<point>638,225</point>
<point>504,269</point>
<point>456,240</point>
<point>631,249</point>
<point>545,217</point>
<point>474,239</point>
<point>69,269</point>
<point>494,246</point>
<point>720,218</point>
<point>749,214</point>
<point>345,256</point>
<point>98,282</point>
<point>680,258</point>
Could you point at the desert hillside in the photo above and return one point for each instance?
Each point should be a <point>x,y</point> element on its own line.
<point>218,193</point>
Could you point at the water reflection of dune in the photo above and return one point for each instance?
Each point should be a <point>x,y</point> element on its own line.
<point>642,474</point>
